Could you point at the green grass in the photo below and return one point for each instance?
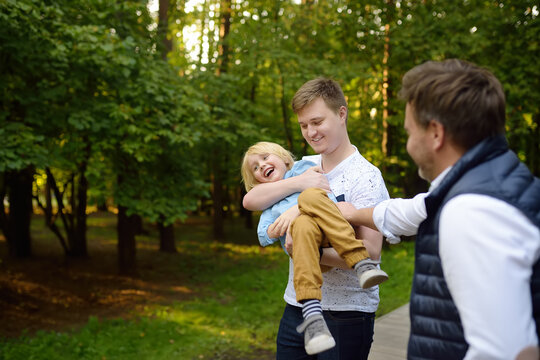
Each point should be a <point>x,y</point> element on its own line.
<point>234,314</point>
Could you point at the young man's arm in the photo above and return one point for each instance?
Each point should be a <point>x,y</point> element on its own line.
<point>372,241</point>
<point>265,195</point>
<point>330,257</point>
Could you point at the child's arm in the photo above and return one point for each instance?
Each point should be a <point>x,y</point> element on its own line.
<point>265,221</point>
<point>280,226</point>
<point>271,227</point>
<point>265,195</point>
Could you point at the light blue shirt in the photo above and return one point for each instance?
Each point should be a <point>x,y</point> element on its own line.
<point>272,213</point>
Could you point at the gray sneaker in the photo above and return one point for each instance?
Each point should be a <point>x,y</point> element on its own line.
<point>317,337</point>
<point>369,274</point>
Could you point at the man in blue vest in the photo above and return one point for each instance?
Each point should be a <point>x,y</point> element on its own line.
<point>476,285</point>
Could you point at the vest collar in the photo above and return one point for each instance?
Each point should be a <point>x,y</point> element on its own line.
<point>485,150</point>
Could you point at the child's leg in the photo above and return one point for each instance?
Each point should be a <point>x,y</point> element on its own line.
<point>307,238</point>
<point>315,203</point>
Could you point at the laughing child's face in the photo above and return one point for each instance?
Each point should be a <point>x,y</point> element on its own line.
<point>267,167</point>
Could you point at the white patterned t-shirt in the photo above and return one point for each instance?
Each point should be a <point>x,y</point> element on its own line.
<point>359,182</point>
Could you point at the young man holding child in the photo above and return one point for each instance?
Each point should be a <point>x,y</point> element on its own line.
<point>348,309</point>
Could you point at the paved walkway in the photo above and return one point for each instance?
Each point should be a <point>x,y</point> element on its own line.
<point>391,335</point>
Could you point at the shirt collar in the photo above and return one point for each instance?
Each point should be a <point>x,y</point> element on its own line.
<point>437,181</point>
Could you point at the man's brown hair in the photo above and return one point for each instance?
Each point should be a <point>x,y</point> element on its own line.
<point>327,89</point>
<point>466,99</point>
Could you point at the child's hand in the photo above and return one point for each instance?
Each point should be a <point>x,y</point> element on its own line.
<point>288,243</point>
<point>313,178</point>
<point>283,222</point>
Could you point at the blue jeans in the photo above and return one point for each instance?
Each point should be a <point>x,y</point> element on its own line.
<point>352,330</point>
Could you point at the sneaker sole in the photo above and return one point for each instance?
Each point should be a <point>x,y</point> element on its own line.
<point>319,344</point>
<point>372,277</point>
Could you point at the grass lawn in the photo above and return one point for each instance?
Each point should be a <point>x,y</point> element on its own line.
<point>211,300</point>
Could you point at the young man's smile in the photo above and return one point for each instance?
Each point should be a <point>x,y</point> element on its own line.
<point>321,127</point>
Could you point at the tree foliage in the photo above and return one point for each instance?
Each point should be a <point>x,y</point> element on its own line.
<point>88,93</point>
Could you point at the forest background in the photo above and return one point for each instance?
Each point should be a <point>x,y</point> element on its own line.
<point>144,110</point>
<point>108,105</point>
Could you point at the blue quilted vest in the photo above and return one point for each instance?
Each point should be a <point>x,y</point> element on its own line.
<point>488,169</point>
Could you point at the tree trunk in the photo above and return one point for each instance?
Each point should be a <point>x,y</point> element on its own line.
<point>285,112</point>
<point>387,143</point>
<point>80,248</point>
<point>20,212</point>
<point>385,85</point>
<point>217,153</point>
<point>217,196</point>
<point>48,202</point>
<point>246,214</point>
<point>225,26</point>
<point>3,213</point>
<point>163,28</point>
<point>127,264</point>
<point>166,233</point>
<point>166,238</point>
<point>139,225</point>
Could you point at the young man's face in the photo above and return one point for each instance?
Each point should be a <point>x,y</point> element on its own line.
<point>323,129</point>
<point>419,144</point>
<point>267,167</point>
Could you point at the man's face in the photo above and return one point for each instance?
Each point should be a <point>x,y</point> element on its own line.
<point>419,145</point>
<point>323,129</point>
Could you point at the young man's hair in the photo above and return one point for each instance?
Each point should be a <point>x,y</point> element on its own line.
<point>327,89</point>
<point>466,99</point>
<point>262,148</point>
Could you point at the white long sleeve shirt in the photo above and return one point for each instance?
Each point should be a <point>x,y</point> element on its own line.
<point>487,249</point>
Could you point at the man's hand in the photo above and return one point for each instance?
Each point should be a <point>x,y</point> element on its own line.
<point>283,222</point>
<point>347,210</point>
<point>313,178</point>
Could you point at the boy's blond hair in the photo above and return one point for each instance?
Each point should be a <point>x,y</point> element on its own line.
<point>263,147</point>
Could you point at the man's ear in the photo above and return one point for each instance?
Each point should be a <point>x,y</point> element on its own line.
<point>437,134</point>
<point>343,113</point>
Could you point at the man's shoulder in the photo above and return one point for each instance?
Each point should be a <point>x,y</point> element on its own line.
<point>357,164</point>
<point>312,158</point>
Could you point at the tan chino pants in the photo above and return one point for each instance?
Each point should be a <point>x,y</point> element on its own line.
<point>320,224</point>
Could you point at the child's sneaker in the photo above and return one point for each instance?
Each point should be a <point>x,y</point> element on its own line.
<point>317,337</point>
<point>369,274</point>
